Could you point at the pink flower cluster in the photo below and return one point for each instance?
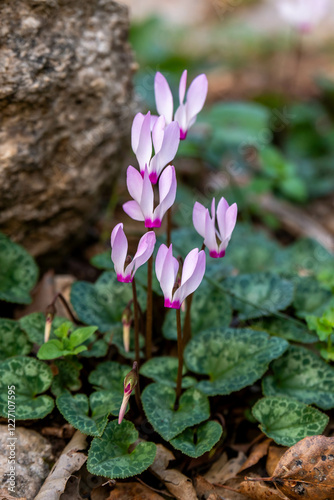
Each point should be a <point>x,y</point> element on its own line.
<point>155,141</point>
<point>303,15</point>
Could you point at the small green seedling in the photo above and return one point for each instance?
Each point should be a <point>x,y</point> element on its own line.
<point>324,327</point>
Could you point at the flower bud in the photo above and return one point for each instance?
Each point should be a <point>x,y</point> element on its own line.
<point>130,382</point>
<point>50,314</point>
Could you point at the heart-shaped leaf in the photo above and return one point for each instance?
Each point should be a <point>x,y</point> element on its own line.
<point>163,369</point>
<point>103,261</point>
<point>210,307</point>
<point>260,294</point>
<point>34,324</point>
<point>302,375</point>
<point>307,254</point>
<point>75,409</point>
<point>158,403</point>
<point>103,303</point>
<point>30,378</point>
<point>233,358</point>
<point>286,329</point>
<point>95,348</point>
<point>67,376</point>
<point>109,376</point>
<point>194,442</point>
<point>13,341</point>
<point>18,273</point>
<point>109,456</point>
<point>287,421</point>
<point>310,297</point>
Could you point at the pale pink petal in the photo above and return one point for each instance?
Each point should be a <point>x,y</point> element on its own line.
<point>199,217</point>
<point>135,131</point>
<point>181,117</point>
<point>123,408</point>
<point>147,197</point>
<point>119,249</point>
<point>221,217</point>
<point>134,182</point>
<point>210,239</point>
<point>182,86</point>
<point>114,232</point>
<point>158,133</point>
<point>132,208</point>
<point>167,192</point>
<point>160,260</point>
<point>196,96</point>
<point>168,272</point>
<point>144,251</point>
<point>231,219</point>
<point>193,281</point>
<point>144,150</point>
<point>163,97</point>
<point>169,147</point>
<point>189,265</point>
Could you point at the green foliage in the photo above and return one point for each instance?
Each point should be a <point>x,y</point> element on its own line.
<point>324,326</point>
<point>18,272</point>
<point>109,376</point>
<point>302,375</point>
<point>232,358</point>
<point>103,303</point>
<point>210,308</point>
<point>67,376</point>
<point>103,261</point>
<point>311,298</point>
<point>68,343</point>
<point>194,442</point>
<point>109,456</point>
<point>287,421</point>
<point>163,369</point>
<point>286,329</point>
<point>96,348</point>
<point>307,255</point>
<point>34,324</point>
<point>158,403</point>
<point>30,378</point>
<point>76,410</point>
<point>267,291</point>
<point>116,338</point>
<point>13,341</point>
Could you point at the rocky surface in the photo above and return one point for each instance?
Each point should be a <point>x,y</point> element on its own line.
<point>32,455</point>
<point>66,109</point>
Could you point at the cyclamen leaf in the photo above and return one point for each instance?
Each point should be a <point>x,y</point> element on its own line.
<point>259,294</point>
<point>286,329</point>
<point>13,341</point>
<point>158,403</point>
<point>109,455</point>
<point>34,324</point>
<point>233,358</point>
<point>163,369</point>
<point>18,272</point>
<point>310,297</point>
<point>75,409</point>
<point>30,378</point>
<point>207,435</point>
<point>109,376</point>
<point>302,375</point>
<point>287,421</point>
<point>67,376</point>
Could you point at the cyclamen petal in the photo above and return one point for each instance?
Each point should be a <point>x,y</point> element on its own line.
<point>133,210</point>
<point>167,192</point>
<point>163,97</point>
<point>196,96</point>
<point>119,245</point>
<point>199,216</point>
<point>169,267</point>
<point>183,86</point>
<point>194,279</point>
<point>135,130</point>
<point>144,149</point>
<point>169,147</point>
<point>134,182</point>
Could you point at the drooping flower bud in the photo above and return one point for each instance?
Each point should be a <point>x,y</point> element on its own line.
<point>50,314</point>
<point>126,321</point>
<point>130,382</point>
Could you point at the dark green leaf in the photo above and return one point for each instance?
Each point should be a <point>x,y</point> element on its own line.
<point>286,329</point>
<point>34,324</point>
<point>13,341</point>
<point>163,369</point>
<point>195,442</point>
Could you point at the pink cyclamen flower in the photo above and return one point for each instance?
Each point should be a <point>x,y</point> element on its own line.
<point>119,245</point>
<point>140,188</point>
<point>167,267</point>
<point>215,240</point>
<point>147,129</point>
<point>187,111</point>
<point>304,15</point>
<point>130,382</point>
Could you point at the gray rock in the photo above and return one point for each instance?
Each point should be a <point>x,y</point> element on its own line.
<point>66,108</point>
<point>32,452</point>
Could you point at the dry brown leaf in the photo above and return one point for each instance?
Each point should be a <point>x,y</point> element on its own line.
<point>176,482</point>
<point>258,452</point>
<point>260,491</point>
<point>275,454</point>
<point>306,470</point>
<point>205,490</point>
<point>129,491</point>
<point>221,470</point>
<point>4,495</point>
<point>69,462</point>
<point>65,431</point>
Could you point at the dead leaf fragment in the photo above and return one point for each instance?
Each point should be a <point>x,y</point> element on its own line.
<point>259,451</point>
<point>129,491</point>
<point>306,470</point>
<point>69,462</point>
<point>260,491</point>
<point>275,454</point>
<point>4,495</point>
<point>176,482</point>
<point>205,490</point>
<point>221,470</point>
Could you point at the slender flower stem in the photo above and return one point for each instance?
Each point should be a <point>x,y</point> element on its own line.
<point>169,226</point>
<point>180,356</point>
<point>148,346</point>
<point>187,321</point>
<point>136,318</point>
